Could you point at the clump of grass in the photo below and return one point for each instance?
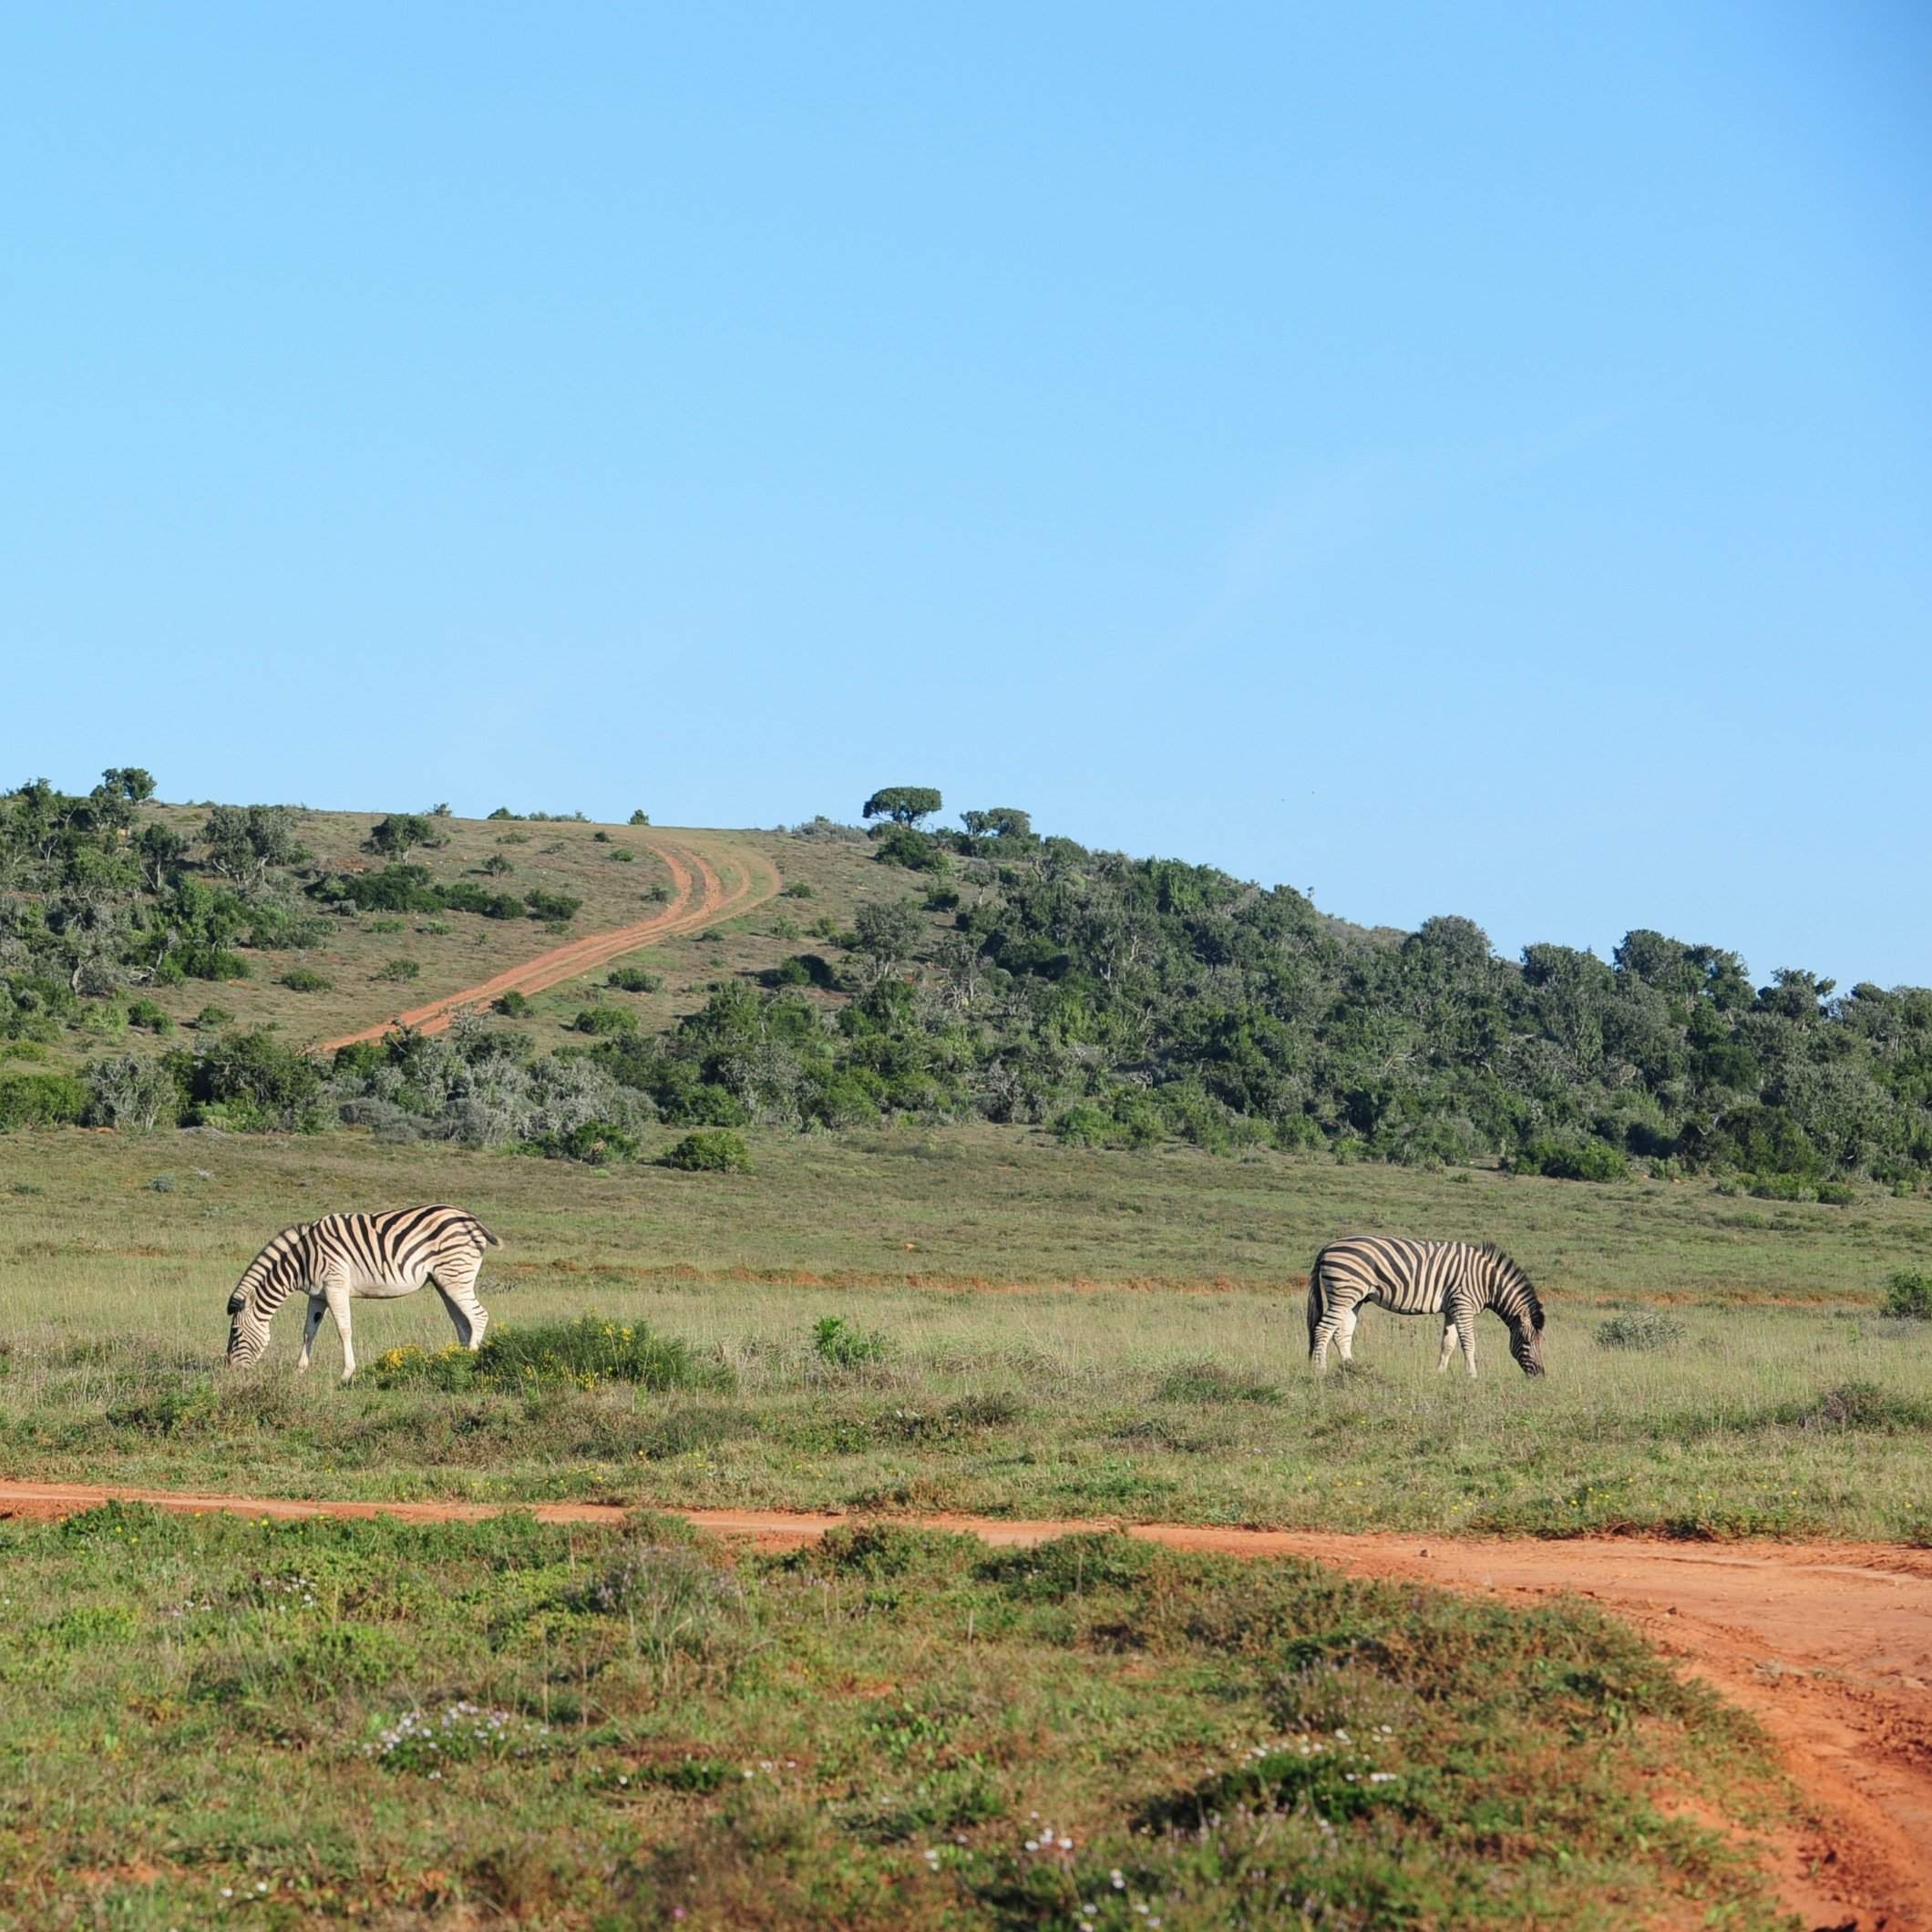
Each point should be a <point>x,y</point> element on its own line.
<point>836,1340</point>
<point>1209,1381</point>
<point>1640,1328</point>
<point>710,1150</point>
<point>1864,1405</point>
<point>460,1734</point>
<point>1908,1296</point>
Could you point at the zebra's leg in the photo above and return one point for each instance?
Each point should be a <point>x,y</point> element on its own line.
<point>317,1307</point>
<point>1450,1343</point>
<point>1326,1330</point>
<point>337,1293</point>
<point>1345,1332</point>
<point>466,1314</point>
<point>1466,1333</point>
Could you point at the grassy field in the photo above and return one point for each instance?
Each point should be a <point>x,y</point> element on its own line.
<point>471,1725</point>
<point>1026,1330</point>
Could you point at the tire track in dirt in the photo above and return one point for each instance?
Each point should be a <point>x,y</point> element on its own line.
<point>1828,1645</point>
<point>699,899</point>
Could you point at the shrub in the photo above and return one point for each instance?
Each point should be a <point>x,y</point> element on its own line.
<point>834,1340</point>
<point>551,905</point>
<point>596,1143</point>
<point>495,866</point>
<point>632,979</point>
<point>145,1013</point>
<point>1571,1160</point>
<point>211,1020</point>
<point>1836,1194</point>
<point>512,1005</point>
<point>401,830</point>
<point>1781,1188</point>
<point>639,817</point>
<point>1642,1329</point>
<point>711,1150</point>
<point>605,1020</point>
<point>589,1350</point>
<point>622,854</point>
<point>396,889</point>
<point>799,888</point>
<point>400,970</point>
<point>41,1100</point>
<point>1908,1296</point>
<point>305,979</point>
<point>210,963</point>
<point>467,895</point>
<point>659,895</point>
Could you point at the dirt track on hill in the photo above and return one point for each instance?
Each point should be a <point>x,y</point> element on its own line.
<point>698,898</point>
<point>1828,1645</point>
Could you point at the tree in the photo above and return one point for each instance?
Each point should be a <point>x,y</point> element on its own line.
<point>903,804</point>
<point>244,841</point>
<point>396,835</point>
<point>1005,823</point>
<point>640,816</point>
<point>160,852</point>
<point>888,932</point>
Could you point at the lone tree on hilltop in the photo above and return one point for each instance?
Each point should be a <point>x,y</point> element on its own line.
<point>903,804</point>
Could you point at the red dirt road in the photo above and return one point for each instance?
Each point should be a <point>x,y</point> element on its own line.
<point>699,897</point>
<point>1829,1645</point>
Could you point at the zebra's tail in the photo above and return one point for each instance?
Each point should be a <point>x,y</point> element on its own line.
<point>483,1234</point>
<point>1315,1303</point>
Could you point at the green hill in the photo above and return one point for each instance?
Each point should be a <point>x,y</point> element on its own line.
<point>203,964</point>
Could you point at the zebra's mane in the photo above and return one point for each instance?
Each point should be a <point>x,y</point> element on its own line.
<point>1519,1278</point>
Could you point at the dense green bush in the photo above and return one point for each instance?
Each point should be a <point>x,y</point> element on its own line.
<point>1908,1296</point>
<point>305,979</point>
<point>605,1020</point>
<point>596,1143</point>
<point>399,971</point>
<point>713,1150</point>
<point>41,1100</point>
<point>557,906</point>
<point>1571,1160</point>
<point>632,979</point>
<point>148,1016</point>
<point>512,1004</point>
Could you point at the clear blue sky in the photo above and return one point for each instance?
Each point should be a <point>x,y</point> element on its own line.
<point>1466,458</point>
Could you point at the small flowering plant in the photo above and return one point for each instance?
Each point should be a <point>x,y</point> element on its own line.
<point>1335,1775</point>
<point>461,1733</point>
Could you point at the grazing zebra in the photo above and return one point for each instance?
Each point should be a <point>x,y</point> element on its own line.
<point>1454,1280</point>
<point>346,1255</point>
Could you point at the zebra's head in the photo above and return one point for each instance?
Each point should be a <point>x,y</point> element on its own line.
<point>247,1331</point>
<point>1525,1336</point>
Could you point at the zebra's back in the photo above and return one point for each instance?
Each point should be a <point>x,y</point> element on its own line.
<point>1409,1278</point>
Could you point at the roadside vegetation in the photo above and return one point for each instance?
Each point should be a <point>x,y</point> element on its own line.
<point>384,1724</point>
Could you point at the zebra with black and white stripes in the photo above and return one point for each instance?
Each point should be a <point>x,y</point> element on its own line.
<point>1454,1280</point>
<point>344,1257</point>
